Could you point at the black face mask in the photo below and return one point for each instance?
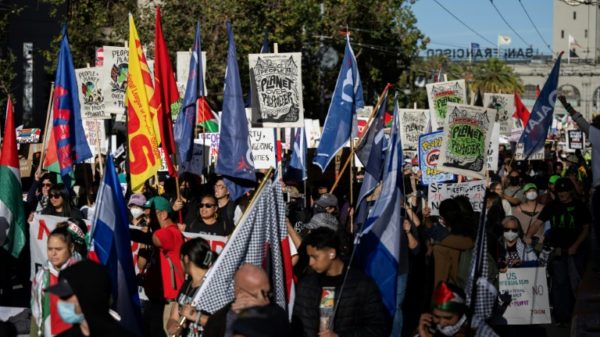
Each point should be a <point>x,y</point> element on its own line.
<point>514,181</point>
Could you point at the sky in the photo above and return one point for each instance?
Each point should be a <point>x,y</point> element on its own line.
<point>447,32</point>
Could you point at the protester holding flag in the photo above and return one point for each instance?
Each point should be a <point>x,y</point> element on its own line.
<point>45,320</point>
<point>336,300</point>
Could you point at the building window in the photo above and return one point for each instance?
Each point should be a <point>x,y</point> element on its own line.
<point>574,15</point>
<point>562,34</point>
<point>585,33</point>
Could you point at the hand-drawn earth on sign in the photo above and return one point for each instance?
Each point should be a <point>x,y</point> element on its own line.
<point>277,83</point>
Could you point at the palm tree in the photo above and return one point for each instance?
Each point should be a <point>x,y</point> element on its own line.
<point>495,76</point>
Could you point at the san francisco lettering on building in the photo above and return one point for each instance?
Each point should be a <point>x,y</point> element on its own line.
<point>483,53</point>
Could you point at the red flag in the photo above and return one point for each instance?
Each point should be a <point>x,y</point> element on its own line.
<point>521,111</point>
<point>537,91</point>
<point>165,92</point>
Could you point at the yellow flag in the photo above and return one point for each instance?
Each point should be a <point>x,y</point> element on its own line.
<point>142,125</point>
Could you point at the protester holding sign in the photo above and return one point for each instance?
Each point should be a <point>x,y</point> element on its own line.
<point>512,250</point>
<point>43,305</point>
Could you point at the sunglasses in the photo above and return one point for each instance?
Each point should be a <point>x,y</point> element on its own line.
<point>511,230</point>
<point>207,205</point>
<point>56,195</point>
<point>47,185</point>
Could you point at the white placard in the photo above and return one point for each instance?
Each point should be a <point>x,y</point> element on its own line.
<point>440,94</point>
<point>438,192</point>
<point>114,80</point>
<point>529,291</point>
<point>504,104</point>
<point>519,155</point>
<point>91,93</point>
<point>313,133</point>
<point>262,141</point>
<point>95,134</point>
<point>413,123</point>
<point>493,149</point>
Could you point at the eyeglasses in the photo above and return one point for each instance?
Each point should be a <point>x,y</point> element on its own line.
<point>514,230</point>
<point>47,185</point>
<point>207,205</point>
<point>55,195</point>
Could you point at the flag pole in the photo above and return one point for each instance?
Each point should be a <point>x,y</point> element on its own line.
<point>46,134</point>
<point>371,117</point>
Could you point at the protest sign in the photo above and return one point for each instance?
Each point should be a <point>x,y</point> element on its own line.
<point>440,94</point>
<point>413,123</point>
<point>504,104</point>
<point>28,136</point>
<point>493,149</point>
<point>575,140</point>
<point>91,94</point>
<point>515,134</point>
<point>467,133</point>
<point>262,141</point>
<point>210,140</point>
<point>113,77</point>
<point>42,225</point>
<point>429,153</point>
<point>529,291</point>
<point>276,81</point>
<point>96,135</point>
<point>438,192</point>
<point>183,68</point>
<point>313,133</point>
<point>539,155</point>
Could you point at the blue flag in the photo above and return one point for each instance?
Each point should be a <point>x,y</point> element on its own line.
<point>112,244</point>
<point>536,130</point>
<point>183,130</point>
<point>71,144</point>
<point>341,117</point>
<point>235,162</point>
<point>264,48</point>
<point>298,159</point>
<point>371,153</point>
<point>378,245</point>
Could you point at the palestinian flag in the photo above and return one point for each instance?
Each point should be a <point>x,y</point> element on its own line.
<point>207,118</point>
<point>51,157</point>
<point>12,210</point>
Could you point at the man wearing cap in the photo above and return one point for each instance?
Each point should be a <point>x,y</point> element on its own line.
<point>84,290</point>
<point>569,220</point>
<point>448,316</point>
<point>550,194</point>
<point>167,241</point>
<point>327,202</point>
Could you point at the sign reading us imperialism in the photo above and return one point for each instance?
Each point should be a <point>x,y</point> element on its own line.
<point>114,80</point>
<point>276,81</point>
<point>440,94</point>
<point>429,155</point>
<point>413,123</point>
<point>467,133</point>
<point>505,108</point>
<point>91,97</point>
<point>529,291</point>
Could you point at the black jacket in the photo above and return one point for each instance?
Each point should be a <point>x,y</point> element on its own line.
<point>360,312</point>
<point>217,322</point>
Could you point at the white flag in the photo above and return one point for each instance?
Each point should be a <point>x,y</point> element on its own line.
<point>573,42</point>
<point>504,40</point>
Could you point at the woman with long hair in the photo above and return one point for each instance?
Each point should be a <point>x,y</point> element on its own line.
<point>60,203</point>
<point>46,321</point>
<point>185,320</point>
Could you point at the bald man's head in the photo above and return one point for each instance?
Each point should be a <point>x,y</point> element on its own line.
<point>252,280</point>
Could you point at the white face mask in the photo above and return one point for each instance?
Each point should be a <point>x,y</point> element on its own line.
<point>510,236</point>
<point>451,330</point>
<point>136,212</point>
<point>531,195</point>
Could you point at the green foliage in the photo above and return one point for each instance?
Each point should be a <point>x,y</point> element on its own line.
<point>383,34</point>
<point>7,57</point>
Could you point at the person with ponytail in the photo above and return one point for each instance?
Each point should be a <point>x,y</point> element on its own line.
<point>185,320</point>
<point>45,320</point>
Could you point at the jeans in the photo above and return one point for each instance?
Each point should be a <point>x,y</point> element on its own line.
<point>562,295</point>
<point>400,294</point>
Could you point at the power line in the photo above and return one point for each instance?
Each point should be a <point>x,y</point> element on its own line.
<point>508,24</point>
<point>534,26</point>
<point>464,24</point>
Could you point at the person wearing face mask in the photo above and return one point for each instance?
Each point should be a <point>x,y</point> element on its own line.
<point>84,292</point>
<point>448,316</point>
<point>513,192</point>
<point>512,250</point>
<point>569,220</point>
<point>528,211</point>
<point>44,321</point>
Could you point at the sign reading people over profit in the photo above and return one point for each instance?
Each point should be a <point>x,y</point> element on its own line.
<point>438,192</point>
<point>91,94</point>
<point>529,292</point>
<point>429,154</point>
<point>413,123</point>
<point>440,94</point>
<point>114,80</point>
<point>276,81</point>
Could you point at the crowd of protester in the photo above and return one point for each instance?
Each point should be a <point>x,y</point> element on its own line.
<point>537,214</point>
